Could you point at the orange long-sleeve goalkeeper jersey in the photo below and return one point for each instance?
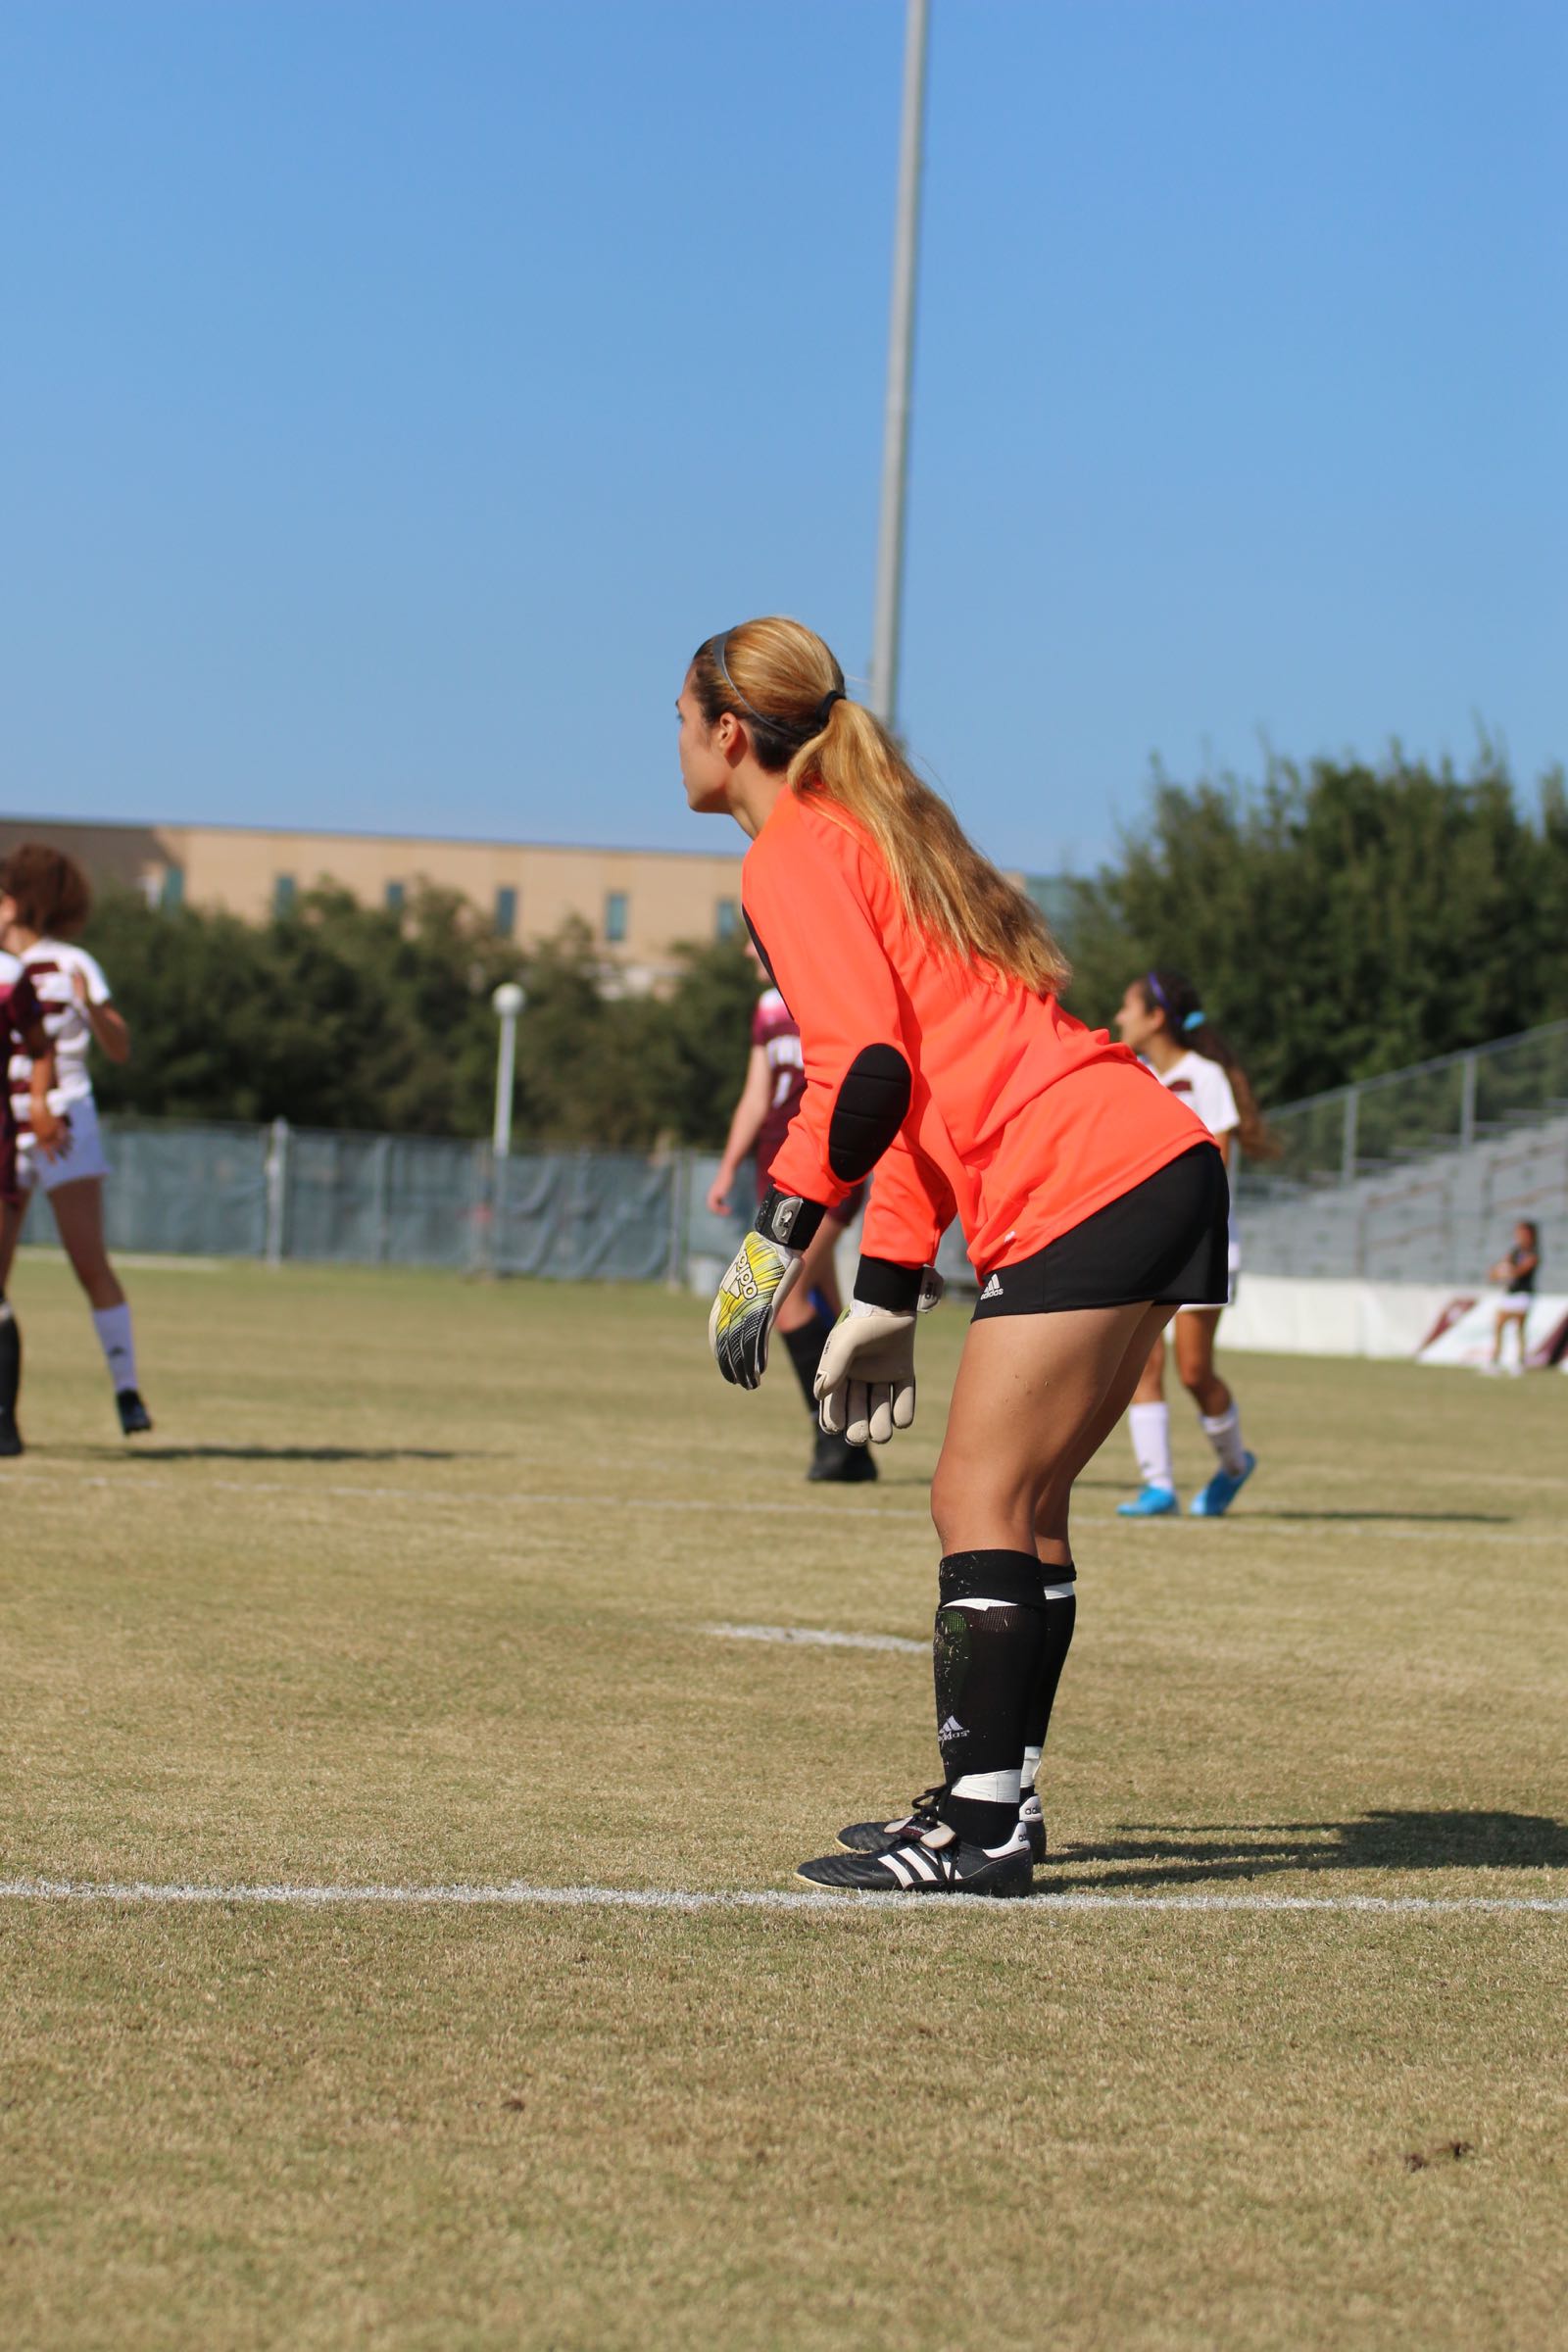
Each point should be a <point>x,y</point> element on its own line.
<point>969,1095</point>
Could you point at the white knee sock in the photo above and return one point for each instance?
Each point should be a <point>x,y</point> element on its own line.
<point>1224,1434</point>
<point>1149,1424</point>
<point>112,1326</point>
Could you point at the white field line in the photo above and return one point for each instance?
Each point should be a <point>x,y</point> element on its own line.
<point>515,1897</point>
<point>819,1636</point>
<point>140,1261</point>
<point>305,1490</point>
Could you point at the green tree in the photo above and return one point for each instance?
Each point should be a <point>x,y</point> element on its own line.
<point>334,1015</point>
<point>709,1020</point>
<point>1341,920</point>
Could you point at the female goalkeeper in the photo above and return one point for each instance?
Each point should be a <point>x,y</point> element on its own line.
<point>1092,1202</point>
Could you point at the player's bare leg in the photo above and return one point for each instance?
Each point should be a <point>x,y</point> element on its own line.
<point>1218,1412</point>
<point>1148,1426</point>
<point>78,1211</point>
<point>12,1216</point>
<point>1505,1316</point>
<point>1035,1395</point>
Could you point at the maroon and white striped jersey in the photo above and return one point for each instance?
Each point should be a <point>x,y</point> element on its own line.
<point>19,1015</point>
<point>49,968</point>
<point>774,1030</point>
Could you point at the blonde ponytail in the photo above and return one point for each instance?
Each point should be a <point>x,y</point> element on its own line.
<point>782,680</point>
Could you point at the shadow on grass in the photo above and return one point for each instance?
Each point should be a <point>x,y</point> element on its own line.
<point>1210,1853</point>
<point>1398,1518</point>
<point>282,1454</point>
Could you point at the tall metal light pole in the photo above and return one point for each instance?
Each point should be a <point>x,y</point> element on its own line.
<point>900,364</point>
<point>508,1001</point>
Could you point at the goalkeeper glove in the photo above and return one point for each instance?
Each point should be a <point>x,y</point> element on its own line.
<point>761,1274</point>
<point>865,1381</point>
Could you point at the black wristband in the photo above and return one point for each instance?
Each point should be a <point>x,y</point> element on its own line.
<point>894,1288</point>
<point>784,1218</point>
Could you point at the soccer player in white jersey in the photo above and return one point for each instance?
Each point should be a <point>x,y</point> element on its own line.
<point>44,900</point>
<point>1164,1020</point>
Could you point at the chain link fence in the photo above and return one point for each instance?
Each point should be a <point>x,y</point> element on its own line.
<point>1430,1107</point>
<point>1407,1175</point>
<point>346,1197</point>
<point>1418,1176</point>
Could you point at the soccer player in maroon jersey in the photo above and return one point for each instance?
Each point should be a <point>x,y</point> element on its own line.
<point>44,901</point>
<point>775,1081</point>
<point>21,1030</point>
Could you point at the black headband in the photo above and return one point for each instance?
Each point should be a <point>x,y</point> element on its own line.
<point>780,726</point>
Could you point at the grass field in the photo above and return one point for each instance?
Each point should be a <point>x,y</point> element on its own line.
<point>412,1588</point>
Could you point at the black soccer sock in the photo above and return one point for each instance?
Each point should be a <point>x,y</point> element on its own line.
<point>1062,1611</point>
<point>806,1346</point>
<point>986,1653</point>
<point>9,1357</point>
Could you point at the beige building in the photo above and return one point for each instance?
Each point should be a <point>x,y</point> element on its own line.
<point>638,903</point>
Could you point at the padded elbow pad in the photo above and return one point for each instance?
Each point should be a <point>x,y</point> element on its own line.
<point>873,1104</point>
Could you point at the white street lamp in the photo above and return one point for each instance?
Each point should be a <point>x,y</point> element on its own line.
<point>508,1001</point>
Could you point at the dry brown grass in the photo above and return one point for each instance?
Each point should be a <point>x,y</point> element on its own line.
<point>340,1621</point>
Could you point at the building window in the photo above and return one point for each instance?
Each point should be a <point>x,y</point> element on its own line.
<point>172,889</point>
<point>614,914</point>
<point>1055,896</point>
<point>726,919</point>
<point>394,898</point>
<point>507,913</point>
<point>284,894</point>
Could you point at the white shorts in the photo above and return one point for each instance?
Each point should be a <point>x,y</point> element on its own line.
<point>82,1156</point>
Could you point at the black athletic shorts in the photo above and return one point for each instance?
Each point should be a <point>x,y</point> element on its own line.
<point>1166,1240</point>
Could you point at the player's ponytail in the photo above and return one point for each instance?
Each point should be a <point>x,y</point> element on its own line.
<point>1172,995</point>
<point>783,683</point>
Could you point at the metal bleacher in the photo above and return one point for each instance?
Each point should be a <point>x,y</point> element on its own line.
<point>1419,1176</point>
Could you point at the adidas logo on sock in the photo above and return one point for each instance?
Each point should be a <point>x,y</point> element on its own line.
<point>992,1289</point>
<point>952,1729</point>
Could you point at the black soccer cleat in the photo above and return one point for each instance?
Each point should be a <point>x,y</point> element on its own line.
<point>936,1861</point>
<point>9,1436</point>
<point>836,1463</point>
<point>880,1836</point>
<point>134,1418</point>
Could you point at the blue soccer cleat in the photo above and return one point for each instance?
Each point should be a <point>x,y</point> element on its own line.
<point>1221,1491</point>
<point>1154,1502</point>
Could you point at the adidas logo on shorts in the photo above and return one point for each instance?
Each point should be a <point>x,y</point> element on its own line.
<point>992,1289</point>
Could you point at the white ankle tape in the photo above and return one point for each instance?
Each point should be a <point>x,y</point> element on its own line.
<point>989,1787</point>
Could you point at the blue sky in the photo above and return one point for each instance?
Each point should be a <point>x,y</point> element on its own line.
<point>393,394</point>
